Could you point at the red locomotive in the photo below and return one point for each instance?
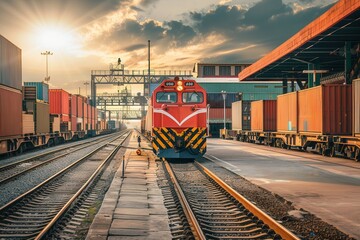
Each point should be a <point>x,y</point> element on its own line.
<point>176,119</point>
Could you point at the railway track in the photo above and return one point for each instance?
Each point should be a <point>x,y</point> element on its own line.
<point>35,213</point>
<point>215,211</point>
<point>12,170</point>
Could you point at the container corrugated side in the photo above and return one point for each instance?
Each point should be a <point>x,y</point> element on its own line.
<point>59,103</point>
<point>73,105</point>
<point>263,115</point>
<point>42,90</point>
<point>42,118</point>
<point>356,107</point>
<point>28,124</point>
<point>240,115</point>
<point>287,112</point>
<point>10,64</point>
<point>10,111</point>
<point>236,115</point>
<point>73,123</point>
<point>216,115</point>
<point>80,106</point>
<point>326,109</point>
<point>54,123</point>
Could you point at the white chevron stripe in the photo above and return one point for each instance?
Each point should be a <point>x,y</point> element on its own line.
<point>157,110</point>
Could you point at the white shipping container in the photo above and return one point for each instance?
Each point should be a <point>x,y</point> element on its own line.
<point>10,64</point>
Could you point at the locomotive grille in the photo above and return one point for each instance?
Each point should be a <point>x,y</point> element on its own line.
<point>193,139</point>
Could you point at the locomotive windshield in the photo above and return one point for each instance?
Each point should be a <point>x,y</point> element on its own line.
<point>192,97</point>
<point>166,97</point>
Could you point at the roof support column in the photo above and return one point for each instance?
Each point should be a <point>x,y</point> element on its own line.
<point>310,75</point>
<point>284,86</point>
<point>317,75</point>
<point>347,68</point>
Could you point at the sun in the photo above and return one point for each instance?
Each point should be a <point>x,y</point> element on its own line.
<point>56,38</point>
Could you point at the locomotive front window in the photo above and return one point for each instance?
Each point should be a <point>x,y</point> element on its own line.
<point>192,97</point>
<point>166,97</point>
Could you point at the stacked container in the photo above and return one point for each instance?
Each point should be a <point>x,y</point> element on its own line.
<point>38,106</point>
<point>73,112</point>
<point>10,112</point>
<point>60,105</point>
<point>42,90</point>
<point>10,89</point>
<point>80,114</point>
<point>263,116</point>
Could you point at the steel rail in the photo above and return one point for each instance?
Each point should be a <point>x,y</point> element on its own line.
<point>278,228</point>
<point>195,226</point>
<point>9,204</point>
<point>79,192</point>
<point>45,162</point>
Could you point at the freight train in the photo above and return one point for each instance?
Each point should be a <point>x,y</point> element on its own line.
<point>325,118</point>
<point>39,117</point>
<point>176,120</point>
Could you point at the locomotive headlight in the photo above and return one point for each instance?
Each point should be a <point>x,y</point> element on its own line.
<point>179,88</point>
<point>179,83</point>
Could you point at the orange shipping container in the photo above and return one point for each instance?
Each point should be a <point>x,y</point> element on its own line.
<point>325,109</point>
<point>286,117</point>
<point>80,107</point>
<point>10,111</point>
<point>263,115</point>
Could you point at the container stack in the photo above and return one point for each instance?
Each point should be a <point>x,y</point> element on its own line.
<point>60,105</point>
<point>38,105</point>
<point>10,89</point>
<point>73,113</point>
<point>80,114</point>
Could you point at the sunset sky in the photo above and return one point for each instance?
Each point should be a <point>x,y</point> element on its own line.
<point>87,35</point>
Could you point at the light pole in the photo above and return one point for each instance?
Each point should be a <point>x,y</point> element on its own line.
<point>224,97</point>
<point>86,84</point>
<point>47,53</point>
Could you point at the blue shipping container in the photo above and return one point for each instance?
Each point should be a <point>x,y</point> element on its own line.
<point>42,90</point>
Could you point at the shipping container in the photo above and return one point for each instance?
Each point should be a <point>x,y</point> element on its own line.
<point>79,124</point>
<point>217,115</point>
<point>89,112</point>
<point>356,107</point>
<point>263,115</point>
<point>80,106</point>
<point>287,111</point>
<point>85,109</point>
<point>10,112</point>
<point>73,123</point>
<point>240,115</point>
<point>216,100</point>
<point>325,109</point>
<point>42,118</point>
<point>28,124</point>
<point>59,103</point>
<point>42,90</point>
<point>73,105</point>
<point>10,64</point>
<point>29,93</point>
<point>54,123</point>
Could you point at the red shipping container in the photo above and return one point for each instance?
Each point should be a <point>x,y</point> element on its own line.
<point>59,103</point>
<point>10,112</point>
<point>89,112</point>
<point>217,114</point>
<point>73,123</point>
<point>85,109</point>
<point>263,115</point>
<point>80,107</point>
<point>73,105</point>
<point>326,109</point>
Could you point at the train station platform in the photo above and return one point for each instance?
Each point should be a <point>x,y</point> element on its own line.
<point>133,207</point>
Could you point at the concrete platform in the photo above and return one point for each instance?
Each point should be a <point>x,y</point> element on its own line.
<point>327,187</point>
<point>133,207</point>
